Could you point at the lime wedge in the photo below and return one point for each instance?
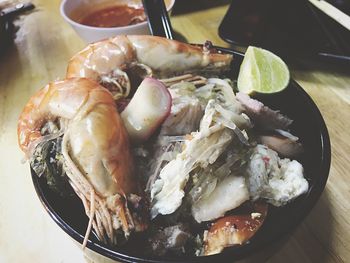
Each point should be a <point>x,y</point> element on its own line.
<point>262,71</point>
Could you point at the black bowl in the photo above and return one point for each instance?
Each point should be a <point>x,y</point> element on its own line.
<point>308,125</point>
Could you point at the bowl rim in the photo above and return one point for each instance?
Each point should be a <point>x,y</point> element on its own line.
<point>298,218</point>
<point>107,29</point>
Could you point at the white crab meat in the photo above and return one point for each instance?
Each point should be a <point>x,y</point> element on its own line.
<point>277,180</point>
<point>201,149</point>
<point>167,192</point>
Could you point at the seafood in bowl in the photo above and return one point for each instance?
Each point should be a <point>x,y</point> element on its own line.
<point>194,165</point>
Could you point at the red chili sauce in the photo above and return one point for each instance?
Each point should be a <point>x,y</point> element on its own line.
<point>114,16</point>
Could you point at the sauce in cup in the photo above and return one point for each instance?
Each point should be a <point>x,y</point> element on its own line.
<point>114,16</point>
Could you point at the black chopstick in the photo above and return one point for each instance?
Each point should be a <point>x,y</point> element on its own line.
<point>158,19</point>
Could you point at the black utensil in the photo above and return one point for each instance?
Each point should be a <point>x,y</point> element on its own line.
<point>7,29</point>
<point>158,19</point>
<point>15,10</point>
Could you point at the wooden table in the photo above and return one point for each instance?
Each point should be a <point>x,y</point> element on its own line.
<point>43,45</point>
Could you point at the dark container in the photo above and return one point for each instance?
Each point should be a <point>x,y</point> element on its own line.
<point>308,125</point>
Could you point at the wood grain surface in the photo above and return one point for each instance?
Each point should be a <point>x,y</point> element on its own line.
<point>43,45</point>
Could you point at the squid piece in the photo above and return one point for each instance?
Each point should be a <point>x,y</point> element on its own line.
<point>228,194</point>
<point>284,146</point>
<point>262,116</point>
<point>147,109</point>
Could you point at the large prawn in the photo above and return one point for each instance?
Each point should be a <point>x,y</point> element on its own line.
<point>114,62</point>
<point>96,152</point>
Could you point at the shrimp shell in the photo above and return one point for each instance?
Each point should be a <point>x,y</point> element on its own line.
<point>159,57</point>
<point>95,148</point>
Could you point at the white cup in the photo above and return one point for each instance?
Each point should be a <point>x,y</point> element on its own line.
<point>92,34</point>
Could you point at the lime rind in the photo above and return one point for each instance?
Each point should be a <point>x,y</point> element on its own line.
<point>262,71</point>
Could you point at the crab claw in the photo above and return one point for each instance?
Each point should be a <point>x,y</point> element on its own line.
<point>234,229</point>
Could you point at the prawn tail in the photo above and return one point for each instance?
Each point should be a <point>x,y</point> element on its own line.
<point>129,213</point>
